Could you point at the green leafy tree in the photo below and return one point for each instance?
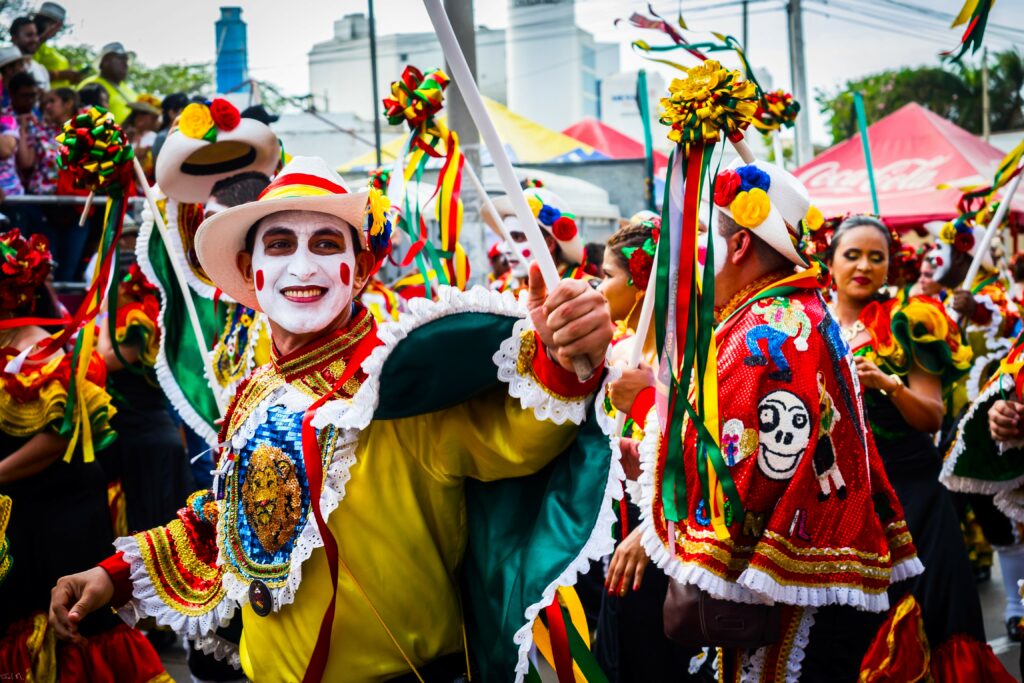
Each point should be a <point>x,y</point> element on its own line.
<point>952,90</point>
<point>191,79</point>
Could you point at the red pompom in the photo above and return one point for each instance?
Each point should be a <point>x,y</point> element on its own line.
<point>225,115</point>
<point>964,241</point>
<point>564,229</point>
<point>727,184</point>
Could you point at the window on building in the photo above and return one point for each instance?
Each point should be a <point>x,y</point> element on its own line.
<point>588,57</point>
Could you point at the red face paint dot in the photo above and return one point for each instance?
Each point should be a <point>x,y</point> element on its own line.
<point>526,253</point>
<point>346,274</point>
<point>259,280</point>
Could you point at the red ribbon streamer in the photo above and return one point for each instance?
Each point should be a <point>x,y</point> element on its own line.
<point>311,457</point>
<point>559,643</point>
<point>42,322</point>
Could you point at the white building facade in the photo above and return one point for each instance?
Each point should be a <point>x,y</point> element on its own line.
<point>543,66</point>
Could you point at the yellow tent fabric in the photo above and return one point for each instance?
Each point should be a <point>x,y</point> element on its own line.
<point>530,142</point>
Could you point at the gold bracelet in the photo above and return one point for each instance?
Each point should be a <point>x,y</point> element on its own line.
<point>899,385</point>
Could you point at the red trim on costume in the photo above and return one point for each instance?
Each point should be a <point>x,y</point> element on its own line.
<point>120,574</point>
<point>642,405</point>
<point>558,379</point>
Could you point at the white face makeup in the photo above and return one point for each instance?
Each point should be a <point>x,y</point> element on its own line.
<point>303,266</point>
<point>519,268</point>
<point>721,249</point>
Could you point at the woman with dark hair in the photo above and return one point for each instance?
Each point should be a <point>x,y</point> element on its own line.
<point>93,95</point>
<point>908,353</point>
<point>631,642</point>
<point>59,516</point>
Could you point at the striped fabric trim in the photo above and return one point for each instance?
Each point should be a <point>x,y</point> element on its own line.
<point>300,185</point>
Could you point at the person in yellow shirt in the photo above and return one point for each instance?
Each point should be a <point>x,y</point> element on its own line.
<point>384,492</point>
<point>113,64</point>
<point>49,20</point>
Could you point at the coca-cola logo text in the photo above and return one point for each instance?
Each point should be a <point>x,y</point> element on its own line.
<point>905,175</point>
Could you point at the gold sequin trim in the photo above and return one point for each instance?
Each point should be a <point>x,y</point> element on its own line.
<point>524,365</point>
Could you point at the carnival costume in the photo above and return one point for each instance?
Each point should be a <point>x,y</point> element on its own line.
<point>59,518</point>
<point>904,335</point>
<point>211,143</point>
<point>367,443</point>
<point>148,457</point>
<point>820,528</point>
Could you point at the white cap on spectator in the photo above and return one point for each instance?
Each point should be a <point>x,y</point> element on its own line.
<point>8,54</point>
<point>52,10</point>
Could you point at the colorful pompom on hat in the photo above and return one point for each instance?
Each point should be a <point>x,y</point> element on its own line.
<point>767,200</point>
<point>305,184</point>
<point>553,216</point>
<point>213,142</point>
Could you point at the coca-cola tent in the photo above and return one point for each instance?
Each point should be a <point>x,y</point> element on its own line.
<point>912,150</point>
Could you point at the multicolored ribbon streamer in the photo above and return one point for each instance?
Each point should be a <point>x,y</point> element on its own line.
<point>417,99</point>
<point>97,154</point>
<point>974,14</point>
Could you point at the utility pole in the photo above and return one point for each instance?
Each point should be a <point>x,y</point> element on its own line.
<point>798,75</point>
<point>373,81</point>
<point>746,47</point>
<point>986,126</point>
<point>474,237</point>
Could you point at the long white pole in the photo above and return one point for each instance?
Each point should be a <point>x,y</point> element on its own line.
<point>489,207</point>
<point>643,326</point>
<point>475,104</point>
<point>990,231</point>
<point>186,291</point>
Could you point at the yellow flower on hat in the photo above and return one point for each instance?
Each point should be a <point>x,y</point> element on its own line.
<point>195,121</point>
<point>947,233</point>
<point>750,208</point>
<point>535,204</point>
<point>814,220</point>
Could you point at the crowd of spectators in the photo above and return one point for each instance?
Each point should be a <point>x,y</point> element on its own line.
<point>41,90</point>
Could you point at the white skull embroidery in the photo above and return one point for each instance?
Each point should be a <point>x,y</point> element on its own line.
<point>784,430</point>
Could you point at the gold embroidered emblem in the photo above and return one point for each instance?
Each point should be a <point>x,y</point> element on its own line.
<point>272,497</point>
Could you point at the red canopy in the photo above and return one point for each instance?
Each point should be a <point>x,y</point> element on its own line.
<point>912,150</point>
<point>611,142</point>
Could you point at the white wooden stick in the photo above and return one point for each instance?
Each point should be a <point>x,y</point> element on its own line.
<point>85,210</point>
<point>489,207</point>
<point>186,291</point>
<point>743,149</point>
<point>475,104</point>
<point>990,231</point>
<point>643,326</point>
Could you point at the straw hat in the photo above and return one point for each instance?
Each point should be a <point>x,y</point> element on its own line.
<point>305,184</point>
<point>52,10</point>
<point>212,143</point>
<point>146,104</point>
<point>767,200</point>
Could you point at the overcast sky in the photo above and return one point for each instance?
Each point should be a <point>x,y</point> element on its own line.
<point>844,38</point>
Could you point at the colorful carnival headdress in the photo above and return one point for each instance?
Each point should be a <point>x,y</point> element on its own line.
<point>959,233</point>
<point>212,142</point>
<point>417,99</point>
<point>24,266</point>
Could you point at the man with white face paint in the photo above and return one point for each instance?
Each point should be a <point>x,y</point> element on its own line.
<point>352,496</point>
<point>787,398</point>
<point>557,224</point>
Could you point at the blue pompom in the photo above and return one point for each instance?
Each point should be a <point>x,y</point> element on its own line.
<point>751,177</point>
<point>548,215</point>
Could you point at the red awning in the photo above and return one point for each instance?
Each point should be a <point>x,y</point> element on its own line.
<point>912,150</point>
<point>611,142</point>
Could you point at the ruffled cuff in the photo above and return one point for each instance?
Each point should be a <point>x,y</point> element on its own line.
<point>120,573</point>
<point>174,575</point>
<point>540,383</point>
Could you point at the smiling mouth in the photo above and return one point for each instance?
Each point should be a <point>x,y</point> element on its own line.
<point>303,295</point>
<point>862,280</point>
